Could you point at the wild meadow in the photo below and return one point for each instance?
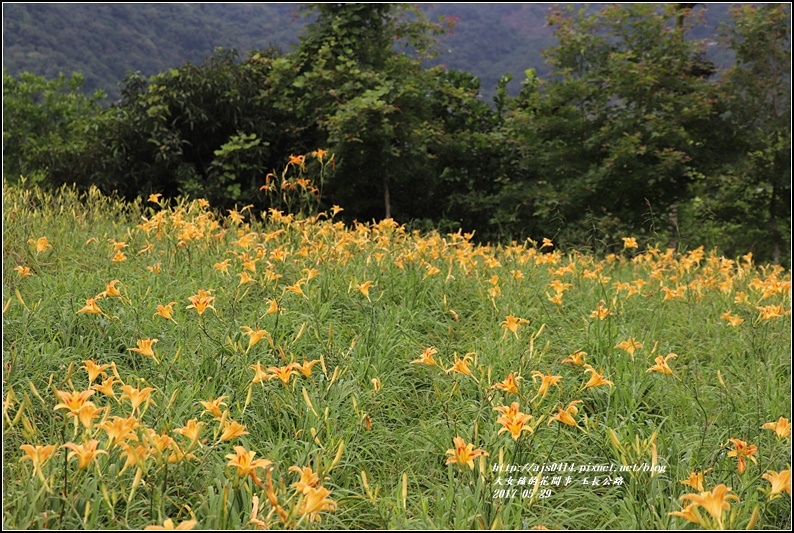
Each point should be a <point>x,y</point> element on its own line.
<point>169,366</point>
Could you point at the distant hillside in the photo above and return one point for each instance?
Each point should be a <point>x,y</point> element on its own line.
<point>105,41</point>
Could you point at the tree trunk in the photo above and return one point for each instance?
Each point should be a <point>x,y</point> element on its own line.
<point>386,198</point>
<point>674,223</point>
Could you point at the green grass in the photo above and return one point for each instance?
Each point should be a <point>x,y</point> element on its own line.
<point>381,453</point>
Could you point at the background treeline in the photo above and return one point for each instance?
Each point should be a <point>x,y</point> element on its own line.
<point>634,131</point>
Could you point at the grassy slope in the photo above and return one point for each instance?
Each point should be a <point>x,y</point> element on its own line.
<point>395,419</point>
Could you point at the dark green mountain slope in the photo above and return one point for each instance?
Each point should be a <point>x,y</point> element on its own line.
<point>105,41</point>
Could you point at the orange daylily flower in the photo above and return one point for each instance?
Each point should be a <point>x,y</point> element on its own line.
<point>315,500</point>
<point>695,480</point>
<point>38,455</point>
<point>137,396</point>
<point>235,216</point>
<point>601,312</point>
<point>296,288</point>
<point>742,451</point>
<point>145,347</point>
<point>110,290</point>
<point>509,412</point>
<point>426,358</point>
<point>159,442</point>
<point>306,367</point>
<point>782,427</point>
<point>41,244</point>
<point>733,320</point>
<point>169,524</point>
<point>232,430</point>
<point>73,401</point>
<point>311,273</point>
<point>91,307</point>
<point>545,382</point>
<point>689,512</point>
<point>364,288</point>
<point>87,414</point>
<point>23,271</point>
<point>284,373</point>
<point>596,378</point>
<point>222,266</point>
<point>741,297</point>
<point>556,299</point>
<point>566,415</point>
<point>461,366</point>
<point>106,387</point>
<point>576,358</point>
<point>513,420</point>
<point>512,324</point>
<point>661,365</point>
<point>714,501</point>
<point>85,453</point>
<point>245,463</point>
<point>166,311</point>
<point>94,369</point>
<point>201,301</point>
<point>308,479</point>
<point>781,482</point>
<point>629,242</point>
<point>559,286</point>
<point>510,384</point>
<point>296,160</point>
<point>260,375</point>
<point>254,335</point>
<point>464,454</point>
<point>630,346</point>
<point>272,307</point>
<point>772,311</point>
<point>213,405</point>
<point>495,291</point>
<point>246,278</point>
<point>191,431</point>
<point>119,429</point>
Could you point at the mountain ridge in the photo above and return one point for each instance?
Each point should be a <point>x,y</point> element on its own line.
<point>489,40</point>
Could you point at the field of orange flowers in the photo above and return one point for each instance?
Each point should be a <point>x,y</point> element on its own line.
<point>166,366</point>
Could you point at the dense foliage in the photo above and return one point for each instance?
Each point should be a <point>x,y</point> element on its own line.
<point>634,132</point>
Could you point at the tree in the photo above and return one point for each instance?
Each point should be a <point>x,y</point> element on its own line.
<point>618,133</point>
<point>350,87</point>
<point>197,130</point>
<point>41,117</point>
<point>754,190</point>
